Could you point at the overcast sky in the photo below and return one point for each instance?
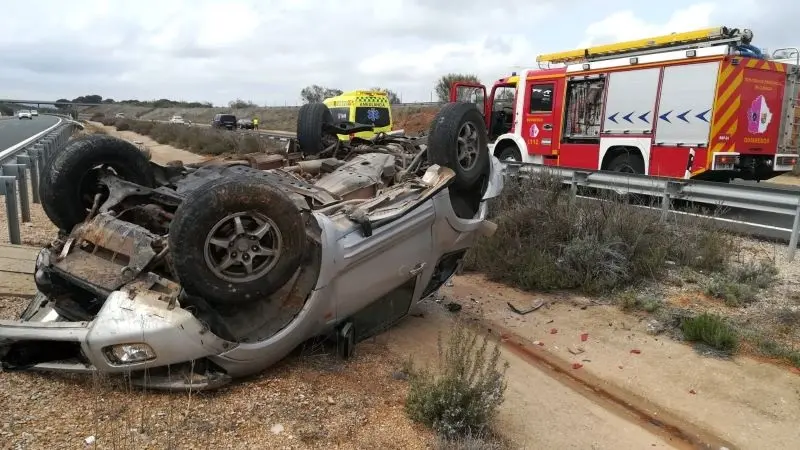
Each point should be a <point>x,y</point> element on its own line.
<point>267,51</point>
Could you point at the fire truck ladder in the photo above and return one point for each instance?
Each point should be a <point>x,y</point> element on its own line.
<point>676,41</point>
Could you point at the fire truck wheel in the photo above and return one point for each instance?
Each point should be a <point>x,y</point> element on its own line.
<point>510,153</point>
<point>627,163</point>
<point>458,140</point>
<point>310,121</point>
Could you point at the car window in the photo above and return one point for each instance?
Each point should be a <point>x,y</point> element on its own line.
<point>378,117</point>
<point>227,118</point>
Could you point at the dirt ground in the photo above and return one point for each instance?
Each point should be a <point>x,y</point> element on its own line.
<point>622,387</point>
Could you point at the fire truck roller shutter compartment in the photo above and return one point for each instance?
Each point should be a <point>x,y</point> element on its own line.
<point>685,111</point>
<point>631,101</point>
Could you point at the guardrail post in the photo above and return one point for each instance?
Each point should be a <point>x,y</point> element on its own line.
<point>671,189</point>
<point>8,186</point>
<point>795,231</point>
<point>34,165</point>
<point>23,163</point>
<point>577,178</point>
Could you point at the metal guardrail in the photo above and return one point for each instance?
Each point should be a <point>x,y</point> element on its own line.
<point>753,198</point>
<point>25,161</point>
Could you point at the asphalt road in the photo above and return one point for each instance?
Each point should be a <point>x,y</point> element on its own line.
<point>14,131</point>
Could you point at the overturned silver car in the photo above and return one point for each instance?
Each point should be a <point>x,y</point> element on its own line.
<point>187,276</point>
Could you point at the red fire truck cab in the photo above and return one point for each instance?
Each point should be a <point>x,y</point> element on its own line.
<point>704,104</point>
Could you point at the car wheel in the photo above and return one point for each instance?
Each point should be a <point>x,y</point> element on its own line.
<point>310,120</point>
<point>236,240</point>
<point>458,140</point>
<point>70,179</point>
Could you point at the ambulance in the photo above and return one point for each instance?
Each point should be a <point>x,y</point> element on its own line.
<point>705,104</point>
<point>364,107</point>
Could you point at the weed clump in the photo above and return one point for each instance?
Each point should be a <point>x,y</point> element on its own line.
<point>711,330</point>
<point>462,396</point>
<point>740,285</point>
<point>546,241</point>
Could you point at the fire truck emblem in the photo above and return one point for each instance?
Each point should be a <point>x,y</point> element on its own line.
<point>534,130</point>
<point>758,116</point>
<point>373,114</point>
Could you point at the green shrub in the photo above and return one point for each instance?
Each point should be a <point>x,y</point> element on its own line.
<point>462,397</point>
<point>711,330</point>
<point>545,241</point>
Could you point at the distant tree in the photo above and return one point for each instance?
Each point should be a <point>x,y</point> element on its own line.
<point>94,98</point>
<point>6,110</point>
<point>62,105</point>
<point>316,94</point>
<point>393,97</point>
<point>442,87</point>
<point>239,104</point>
<point>108,100</point>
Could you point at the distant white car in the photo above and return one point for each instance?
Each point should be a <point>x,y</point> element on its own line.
<point>24,114</point>
<point>34,112</point>
<point>176,119</point>
<point>119,116</point>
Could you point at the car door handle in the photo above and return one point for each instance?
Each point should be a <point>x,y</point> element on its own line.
<point>547,127</point>
<point>417,269</point>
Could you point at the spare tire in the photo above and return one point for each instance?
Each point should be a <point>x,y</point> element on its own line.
<point>310,119</point>
<point>69,180</point>
<point>236,240</point>
<point>458,140</point>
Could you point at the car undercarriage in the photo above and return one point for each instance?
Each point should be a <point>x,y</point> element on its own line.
<point>187,276</point>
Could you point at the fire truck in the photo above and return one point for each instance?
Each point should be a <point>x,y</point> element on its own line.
<point>705,104</point>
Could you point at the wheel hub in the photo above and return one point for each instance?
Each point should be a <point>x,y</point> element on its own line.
<point>243,247</point>
<point>467,146</point>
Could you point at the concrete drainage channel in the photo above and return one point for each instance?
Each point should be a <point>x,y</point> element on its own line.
<point>25,161</point>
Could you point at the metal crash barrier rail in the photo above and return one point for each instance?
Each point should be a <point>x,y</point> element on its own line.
<point>24,162</point>
<point>773,200</point>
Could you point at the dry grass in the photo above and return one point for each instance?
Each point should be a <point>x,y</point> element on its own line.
<point>413,119</point>
<point>200,140</point>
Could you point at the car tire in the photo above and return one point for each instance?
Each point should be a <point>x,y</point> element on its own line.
<point>458,140</point>
<point>66,179</point>
<point>310,119</point>
<point>218,223</point>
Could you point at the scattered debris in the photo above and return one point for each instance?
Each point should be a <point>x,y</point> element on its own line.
<point>584,337</point>
<point>576,350</point>
<point>692,391</point>
<point>539,343</point>
<point>276,429</point>
<point>655,327</point>
<point>553,330</point>
<point>90,440</point>
<point>577,365</point>
<point>449,283</point>
<point>525,311</point>
<point>636,351</point>
<point>453,307</point>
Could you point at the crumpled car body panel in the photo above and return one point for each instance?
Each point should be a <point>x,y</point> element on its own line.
<point>372,277</point>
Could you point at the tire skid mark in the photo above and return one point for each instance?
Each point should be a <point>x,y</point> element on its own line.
<point>681,433</point>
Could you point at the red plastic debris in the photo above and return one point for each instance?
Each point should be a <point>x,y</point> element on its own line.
<point>693,392</point>
<point>553,331</point>
<point>540,343</point>
<point>795,370</point>
<point>584,337</point>
<point>577,365</point>
<point>636,351</point>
